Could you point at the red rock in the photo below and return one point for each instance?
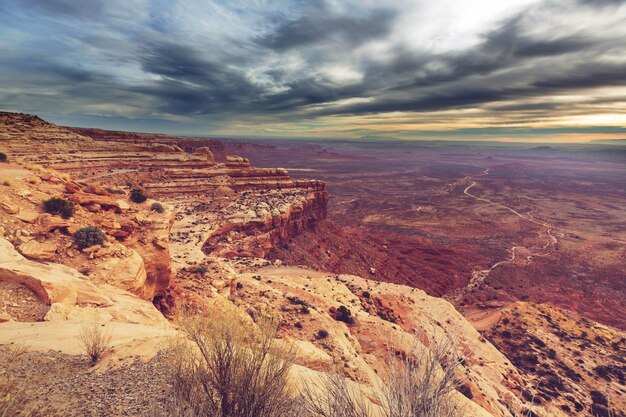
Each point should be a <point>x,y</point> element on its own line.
<point>85,199</point>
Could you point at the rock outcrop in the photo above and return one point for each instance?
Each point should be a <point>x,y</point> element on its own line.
<point>135,257</point>
<point>70,294</point>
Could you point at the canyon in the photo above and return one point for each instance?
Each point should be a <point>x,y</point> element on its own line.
<point>464,242</point>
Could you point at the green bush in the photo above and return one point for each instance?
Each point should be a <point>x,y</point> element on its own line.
<point>137,196</point>
<point>158,207</point>
<point>89,236</point>
<point>3,157</point>
<point>60,206</point>
<point>321,334</point>
<point>345,315</point>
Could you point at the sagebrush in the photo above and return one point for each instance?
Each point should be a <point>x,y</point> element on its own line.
<point>59,206</point>
<point>89,236</point>
<point>224,370</point>
<point>94,338</point>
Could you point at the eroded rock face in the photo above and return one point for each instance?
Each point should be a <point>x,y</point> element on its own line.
<point>70,294</point>
<point>135,256</point>
<point>254,231</point>
<point>263,207</point>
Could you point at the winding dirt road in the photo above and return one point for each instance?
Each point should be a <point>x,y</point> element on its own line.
<point>479,276</point>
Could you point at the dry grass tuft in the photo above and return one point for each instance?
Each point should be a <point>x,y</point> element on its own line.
<point>95,339</point>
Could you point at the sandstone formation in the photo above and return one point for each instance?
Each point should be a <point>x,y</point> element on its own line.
<point>70,294</point>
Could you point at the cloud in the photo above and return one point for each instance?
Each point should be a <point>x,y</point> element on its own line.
<point>319,26</point>
<point>280,63</point>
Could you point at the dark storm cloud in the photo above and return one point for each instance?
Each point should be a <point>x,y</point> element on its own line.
<point>502,48</point>
<point>586,76</point>
<point>317,27</point>
<point>602,3</point>
<point>270,59</point>
<point>68,8</point>
<point>580,65</point>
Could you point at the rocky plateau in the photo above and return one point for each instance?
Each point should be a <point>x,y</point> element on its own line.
<point>216,244</point>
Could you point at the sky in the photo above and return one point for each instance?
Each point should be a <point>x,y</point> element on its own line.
<point>524,70</point>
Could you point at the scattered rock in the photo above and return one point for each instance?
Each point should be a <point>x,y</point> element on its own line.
<point>27,216</point>
<point>38,251</point>
<point>5,317</point>
<point>9,208</point>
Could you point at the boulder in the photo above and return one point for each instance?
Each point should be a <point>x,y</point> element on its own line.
<point>51,283</point>
<point>38,251</point>
<point>72,187</point>
<point>93,208</point>
<point>128,273</point>
<point>9,208</point>
<point>94,189</point>
<point>27,216</point>
<point>50,223</point>
<point>123,205</point>
<point>70,295</point>
<point>207,152</point>
<point>85,199</point>
<point>224,191</point>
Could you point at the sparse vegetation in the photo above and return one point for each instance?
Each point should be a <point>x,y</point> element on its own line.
<point>331,396</point>
<point>304,306</point>
<point>603,372</point>
<point>11,398</point>
<point>158,207</point>
<point>89,236</point>
<point>321,334</point>
<point>223,370</point>
<point>59,206</point>
<point>345,315</point>
<point>95,339</point>
<point>137,196</point>
<point>201,270</point>
<point>421,384</point>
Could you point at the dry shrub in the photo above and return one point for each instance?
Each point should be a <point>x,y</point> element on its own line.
<point>229,371</point>
<point>331,396</point>
<point>94,338</point>
<point>11,397</point>
<point>421,383</point>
